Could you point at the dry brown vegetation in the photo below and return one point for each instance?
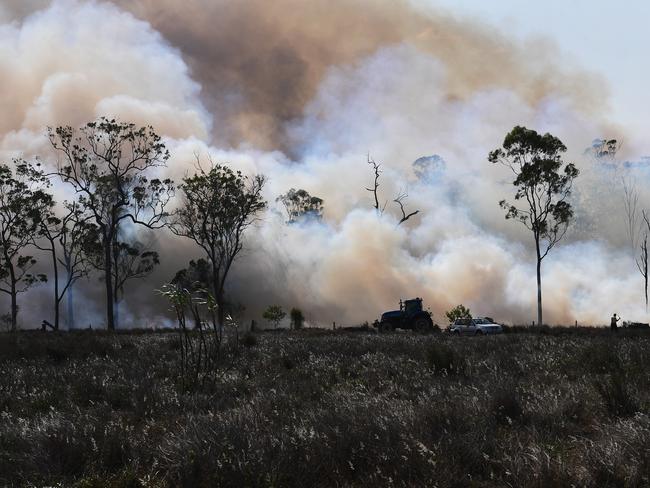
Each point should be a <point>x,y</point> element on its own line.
<point>557,407</point>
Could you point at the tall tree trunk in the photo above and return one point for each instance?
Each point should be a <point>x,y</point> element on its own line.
<point>539,282</point>
<point>108,278</point>
<point>221,313</point>
<point>645,278</point>
<point>14,308</point>
<point>644,271</point>
<point>14,301</point>
<point>70,312</point>
<point>215,290</point>
<point>57,301</point>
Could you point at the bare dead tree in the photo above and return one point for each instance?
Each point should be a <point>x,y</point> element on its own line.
<point>642,259</point>
<point>377,170</point>
<point>631,203</point>
<point>399,200</point>
<point>605,151</point>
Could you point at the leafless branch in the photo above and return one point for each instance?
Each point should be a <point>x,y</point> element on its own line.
<point>377,170</point>
<point>399,200</point>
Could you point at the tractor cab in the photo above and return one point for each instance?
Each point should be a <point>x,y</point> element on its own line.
<point>411,307</point>
<point>409,316</point>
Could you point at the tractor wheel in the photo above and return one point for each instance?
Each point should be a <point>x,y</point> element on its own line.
<point>385,327</point>
<point>422,325</point>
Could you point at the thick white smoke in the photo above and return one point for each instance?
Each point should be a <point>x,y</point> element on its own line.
<point>74,61</point>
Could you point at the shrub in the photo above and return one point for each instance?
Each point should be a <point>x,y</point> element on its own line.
<point>274,314</point>
<point>444,360</point>
<point>249,340</point>
<point>297,318</point>
<point>458,312</point>
<point>506,406</point>
<point>617,397</point>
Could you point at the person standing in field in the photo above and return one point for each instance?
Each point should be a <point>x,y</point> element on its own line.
<point>614,323</point>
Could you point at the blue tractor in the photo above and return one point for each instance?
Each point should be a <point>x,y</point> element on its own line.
<point>409,316</point>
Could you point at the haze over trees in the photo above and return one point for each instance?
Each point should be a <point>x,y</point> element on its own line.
<point>71,241</point>
<point>542,184</point>
<point>299,205</point>
<point>217,207</point>
<point>637,220</point>
<point>107,163</point>
<point>111,167</point>
<point>399,200</point>
<point>130,260</point>
<point>275,315</point>
<point>23,203</point>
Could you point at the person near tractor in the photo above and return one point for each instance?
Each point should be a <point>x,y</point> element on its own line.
<point>614,323</point>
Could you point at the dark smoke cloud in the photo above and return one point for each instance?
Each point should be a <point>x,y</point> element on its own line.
<point>260,62</point>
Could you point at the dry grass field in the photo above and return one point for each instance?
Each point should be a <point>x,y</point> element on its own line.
<point>552,407</point>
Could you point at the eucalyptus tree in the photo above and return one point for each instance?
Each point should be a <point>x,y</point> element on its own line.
<point>108,165</point>
<point>130,260</point>
<point>70,240</point>
<point>543,183</point>
<point>24,200</point>
<point>299,204</point>
<point>217,207</point>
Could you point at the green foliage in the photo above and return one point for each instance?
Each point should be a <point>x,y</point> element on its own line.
<point>297,318</point>
<point>458,312</point>
<point>217,207</point>
<point>199,349</point>
<point>131,260</point>
<point>603,149</point>
<point>106,163</point>
<point>299,204</point>
<point>72,241</point>
<point>274,314</point>
<point>196,276</point>
<point>24,204</point>
<point>542,181</point>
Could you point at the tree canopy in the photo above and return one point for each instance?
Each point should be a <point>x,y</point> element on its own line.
<point>24,203</point>
<point>217,206</point>
<point>107,163</point>
<point>543,183</point>
<point>299,204</point>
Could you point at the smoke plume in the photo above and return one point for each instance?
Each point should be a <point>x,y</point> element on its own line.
<point>302,92</point>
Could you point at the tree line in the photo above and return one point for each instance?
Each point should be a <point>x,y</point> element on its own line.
<point>109,168</point>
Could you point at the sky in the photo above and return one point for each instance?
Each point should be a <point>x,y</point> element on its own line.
<point>607,38</point>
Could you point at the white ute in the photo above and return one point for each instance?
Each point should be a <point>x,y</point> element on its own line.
<point>475,326</point>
